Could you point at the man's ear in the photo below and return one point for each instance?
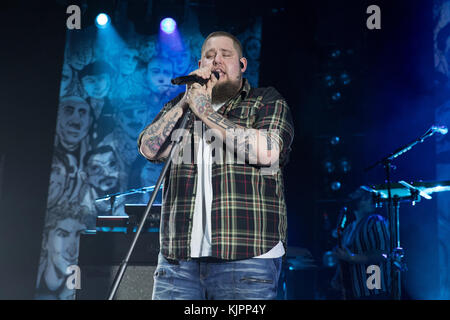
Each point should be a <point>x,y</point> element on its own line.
<point>243,64</point>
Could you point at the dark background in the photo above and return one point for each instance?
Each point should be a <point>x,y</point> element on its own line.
<point>390,101</point>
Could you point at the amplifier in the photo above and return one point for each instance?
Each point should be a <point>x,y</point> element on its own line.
<point>102,251</point>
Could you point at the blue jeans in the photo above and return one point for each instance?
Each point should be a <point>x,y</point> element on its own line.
<point>200,279</point>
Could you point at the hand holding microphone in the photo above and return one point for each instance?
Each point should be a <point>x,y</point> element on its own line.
<point>193,78</point>
<point>199,85</point>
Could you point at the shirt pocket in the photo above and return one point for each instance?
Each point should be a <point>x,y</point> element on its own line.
<point>243,115</point>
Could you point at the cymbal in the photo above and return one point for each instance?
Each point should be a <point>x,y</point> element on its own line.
<point>403,189</point>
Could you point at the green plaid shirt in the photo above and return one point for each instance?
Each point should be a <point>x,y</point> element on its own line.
<point>248,214</point>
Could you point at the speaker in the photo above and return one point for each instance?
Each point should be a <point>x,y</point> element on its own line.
<point>100,256</point>
<point>96,282</point>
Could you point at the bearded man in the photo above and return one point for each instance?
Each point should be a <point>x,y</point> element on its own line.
<point>223,223</point>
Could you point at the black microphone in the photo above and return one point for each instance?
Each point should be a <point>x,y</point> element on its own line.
<point>192,78</point>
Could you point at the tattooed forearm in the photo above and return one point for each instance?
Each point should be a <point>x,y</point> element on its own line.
<point>169,127</point>
<point>203,106</point>
<point>156,134</point>
<point>255,146</point>
<point>154,143</point>
<point>221,121</point>
<point>151,130</point>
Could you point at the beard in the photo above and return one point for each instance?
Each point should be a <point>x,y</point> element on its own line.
<point>224,91</point>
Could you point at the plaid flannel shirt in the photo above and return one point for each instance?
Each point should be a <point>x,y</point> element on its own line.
<point>248,214</point>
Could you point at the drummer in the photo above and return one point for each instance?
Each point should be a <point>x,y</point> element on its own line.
<point>365,247</point>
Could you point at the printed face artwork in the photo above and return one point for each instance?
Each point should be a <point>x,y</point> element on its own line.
<point>73,121</point>
<point>181,61</point>
<point>103,171</point>
<point>253,48</point>
<point>66,80</point>
<point>148,50</point>
<point>132,120</point>
<point>128,61</point>
<point>159,74</point>
<point>97,86</point>
<point>63,243</point>
<point>58,178</point>
<point>80,56</point>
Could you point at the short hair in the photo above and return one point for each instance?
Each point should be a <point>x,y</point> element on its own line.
<point>160,58</point>
<point>70,210</point>
<point>237,44</point>
<point>99,150</point>
<point>72,100</point>
<point>96,68</point>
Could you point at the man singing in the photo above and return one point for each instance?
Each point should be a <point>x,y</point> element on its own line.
<point>223,223</point>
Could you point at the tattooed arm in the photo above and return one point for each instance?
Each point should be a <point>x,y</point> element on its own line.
<point>155,135</point>
<point>259,146</point>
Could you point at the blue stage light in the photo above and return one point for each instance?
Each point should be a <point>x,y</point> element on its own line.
<point>336,96</point>
<point>345,165</point>
<point>335,140</point>
<point>335,186</point>
<point>329,166</point>
<point>102,20</point>
<point>345,78</point>
<point>329,81</point>
<point>168,25</point>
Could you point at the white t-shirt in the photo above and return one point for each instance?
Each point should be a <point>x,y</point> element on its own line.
<point>201,222</point>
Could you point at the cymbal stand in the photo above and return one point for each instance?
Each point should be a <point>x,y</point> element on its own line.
<point>396,253</point>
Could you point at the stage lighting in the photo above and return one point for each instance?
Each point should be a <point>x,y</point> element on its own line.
<point>336,96</point>
<point>335,140</point>
<point>345,165</point>
<point>329,259</point>
<point>336,53</point>
<point>329,166</point>
<point>345,79</point>
<point>335,186</point>
<point>102,20</point>
<point>168,25</point>
<point>329,81</point>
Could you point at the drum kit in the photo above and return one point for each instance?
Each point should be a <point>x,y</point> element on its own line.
<point>392,194</point>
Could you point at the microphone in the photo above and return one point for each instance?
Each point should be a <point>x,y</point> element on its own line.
<point>192,78</point>
<point>440,129</point>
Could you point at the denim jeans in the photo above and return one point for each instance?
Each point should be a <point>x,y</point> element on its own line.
<point>200,279</point>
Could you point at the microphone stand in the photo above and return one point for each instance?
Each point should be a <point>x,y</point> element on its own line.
<point>175,146</point>
<point>396,253</point>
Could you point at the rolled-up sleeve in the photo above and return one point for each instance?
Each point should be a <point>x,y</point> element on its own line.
<point>275,117</point>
